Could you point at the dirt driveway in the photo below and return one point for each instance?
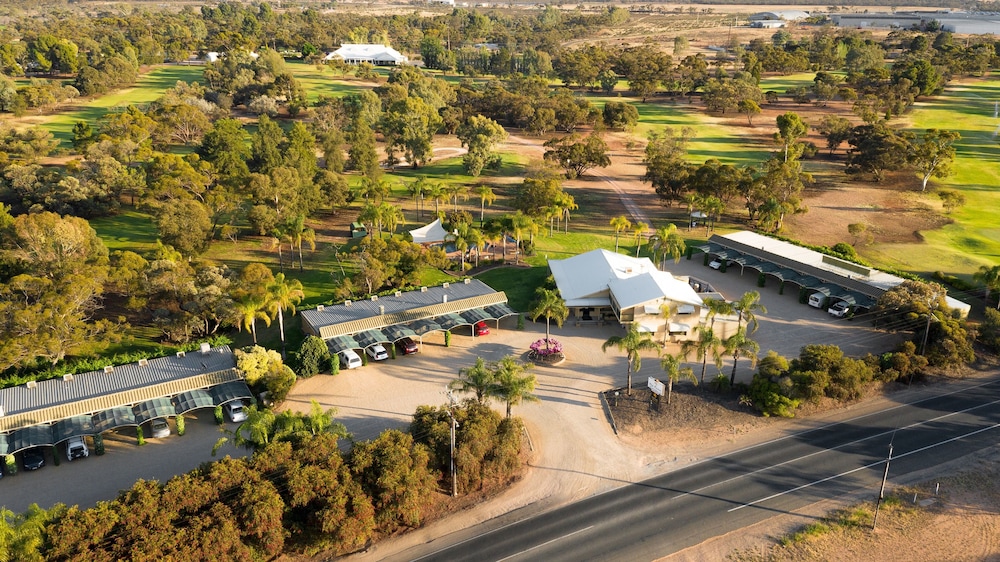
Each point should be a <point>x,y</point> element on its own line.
<point>576,453</point>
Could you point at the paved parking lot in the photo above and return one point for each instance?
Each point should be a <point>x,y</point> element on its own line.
<point>84,482</point>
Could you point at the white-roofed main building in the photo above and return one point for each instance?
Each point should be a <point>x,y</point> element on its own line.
<point>604,286</point>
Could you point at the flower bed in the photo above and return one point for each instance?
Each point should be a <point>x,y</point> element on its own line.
<point>548,351</point>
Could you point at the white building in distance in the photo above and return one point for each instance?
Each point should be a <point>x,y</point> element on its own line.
<point>378,55</point>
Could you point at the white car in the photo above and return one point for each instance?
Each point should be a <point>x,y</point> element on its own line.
<point>76,448</point>
<point>349,359</point>
<point>715,264</point>
<point>839,310</point>
<point>235,411</point>
<point>377,352</point>
<point>159,429</point>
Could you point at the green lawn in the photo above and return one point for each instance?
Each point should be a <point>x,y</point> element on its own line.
<point>149,87</point>
<point>128,230</point>
<point>781,84</point>
<point>318,81</point>
<point>973,239</point>
<point>518,283</point>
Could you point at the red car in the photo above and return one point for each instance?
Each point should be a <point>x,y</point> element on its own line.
<point>481,329</point>
<point>406,346</point>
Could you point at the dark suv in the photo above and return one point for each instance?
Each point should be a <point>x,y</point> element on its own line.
<point>406,346</point>
<point>34,459</point>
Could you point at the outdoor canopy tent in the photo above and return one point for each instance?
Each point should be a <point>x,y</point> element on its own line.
<point>432,233</point>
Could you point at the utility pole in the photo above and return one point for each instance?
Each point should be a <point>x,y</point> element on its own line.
<point>881,490</point>
<point>454,426</point>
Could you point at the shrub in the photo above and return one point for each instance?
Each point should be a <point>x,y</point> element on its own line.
<point>140,439</point>
<point>313,355</point>
<point>447,339</point>
<point>98,444</point>
<point>720,384</point>
<point>180,425</point>
<point>769,399</point>
<point>219,420</point>
<point>989,330</point>
<point>55,456</point>
<point>9,465</point>
<point>334,365</point>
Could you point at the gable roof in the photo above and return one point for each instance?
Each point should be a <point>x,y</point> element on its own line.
<point>584,280</point>
<point>652,286</point>
<point>430,233</point>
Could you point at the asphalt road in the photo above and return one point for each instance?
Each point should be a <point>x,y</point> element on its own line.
<point>654,518</point>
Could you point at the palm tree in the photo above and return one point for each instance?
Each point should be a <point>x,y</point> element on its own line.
<point>486,197</point>
<point>747,307</point>
<point>667,241</point>
<point>706,344</point>
<point>283,295</point>
<point>390,216</point>
<point>254,433</point>
<point>668,309</point>
<point>299,233</point>
<point>552,306</point>
<point>417,189</point>
<point>566,202</point>
<point>739,345</point>
<point>990,277</point>
<point>637,229</point>
<point>520,223</point>
<point>476,240</point>
<point>713,207</point>
<point>716,307</point>
<point>369,216</point>
<point>620,224</point>
<point>456,191</point>
<point>494,233</point>
<point>477,379</point>
<point>671,365</point>
<point>373,189</point>
<point>690,200</point>
<point>251,308</point>
<point>514,382</point>
<point>438,194</point>
<point>632,343</point>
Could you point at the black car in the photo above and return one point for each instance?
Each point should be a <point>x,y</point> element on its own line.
<point>34,459</point>
<point>406,346</point>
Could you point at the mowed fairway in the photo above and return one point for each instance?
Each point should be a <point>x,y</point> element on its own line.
<point>974,238</point>
<point>149,87</point>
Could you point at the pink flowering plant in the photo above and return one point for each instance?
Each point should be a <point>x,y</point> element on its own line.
<point>545,347</point>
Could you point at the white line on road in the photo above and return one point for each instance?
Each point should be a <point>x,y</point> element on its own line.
<point>915,451</point>
<point>545,543</point>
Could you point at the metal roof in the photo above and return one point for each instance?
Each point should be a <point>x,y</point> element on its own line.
<point>116,379</point>
<point>31,436</point>
<point>374,314</point>
<point>421,327</point>
<point>501,310</point>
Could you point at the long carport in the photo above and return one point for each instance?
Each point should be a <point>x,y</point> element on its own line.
<point>46,413</point>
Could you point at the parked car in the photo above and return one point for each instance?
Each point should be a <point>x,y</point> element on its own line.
<point>482,329</point>
<point>407,346</point>
<point>76,448</point>
<point>34,458</point>
<point>235,411</point>
<point>715,264</point>
<point>377,352</point>
<point>349,359</point>
<point>840,309</point>
<point>816,300</point>
<point>159,428</point>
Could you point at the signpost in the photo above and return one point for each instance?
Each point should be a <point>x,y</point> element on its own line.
<point>656,386</point>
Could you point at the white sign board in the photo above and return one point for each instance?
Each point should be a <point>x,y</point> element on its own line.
<point>656,386</point>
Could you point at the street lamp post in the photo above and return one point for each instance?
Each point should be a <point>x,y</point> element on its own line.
<point>881,491</point>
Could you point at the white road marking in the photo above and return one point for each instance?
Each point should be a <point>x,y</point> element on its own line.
<point>545,543</point>
<point>931,446</point>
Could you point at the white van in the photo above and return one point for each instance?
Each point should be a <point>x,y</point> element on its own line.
<point>349,359</point>
<point>76,448</point>
<point>816,300</point>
